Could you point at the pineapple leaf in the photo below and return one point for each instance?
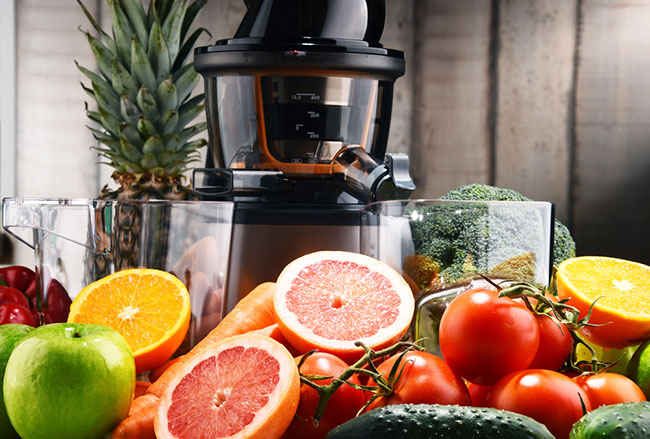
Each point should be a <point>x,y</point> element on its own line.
<point>190,132</point>
<point>130,134</point>
<point>129,151</point>
<point>128,110</point>
<point>103,55</point>
<point>149,161</point>
<point>165,158</point>
<point>146,128</point>
<point>188,115</point>
<point>191,147</point>
<point>187,47</point>
<point>122,32</point>
<point>92,115</point>
<point>98,81</point>
<point>147,104</point>
<point>169,121</point>
<point>193,102</point>
<point>163,7</point>
<point>190,15</point>
<point>109,42</point>
<point>171,27</point>
<point>99,134</point>
<point>153,145</point>
<point>131,168</point>
<point>140,65</point>
<point>89,91</point>
<point>158,53</point>
<point>109,122</point>
<point>122,81</point>
<point>166,96</point>
<point>135,12</point>
<point>106,100</point>
<point>186,83</point>
<point>170,141</point>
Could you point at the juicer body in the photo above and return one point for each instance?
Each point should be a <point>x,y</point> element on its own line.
<point>298,109</point>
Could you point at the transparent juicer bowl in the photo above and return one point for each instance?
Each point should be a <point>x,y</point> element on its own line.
<point>78,241</point>
<point>442,247</point>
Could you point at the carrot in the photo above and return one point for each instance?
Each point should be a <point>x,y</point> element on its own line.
<point>155,373</point>
<point>139,423</point>
<point>274,332</point>
<point>253,312</point>
<point>141,388</point>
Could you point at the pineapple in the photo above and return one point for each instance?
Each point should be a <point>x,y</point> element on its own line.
<point>144,106</point>
<point>143,98</point>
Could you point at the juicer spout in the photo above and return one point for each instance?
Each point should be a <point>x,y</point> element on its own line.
<point>368,179</point>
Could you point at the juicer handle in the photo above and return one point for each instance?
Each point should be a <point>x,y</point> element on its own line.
<point>368,179</point>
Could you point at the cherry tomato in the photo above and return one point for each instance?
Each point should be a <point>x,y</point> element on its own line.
<point>484,337</point>
<point>17,276</point>
<point>342,406</point>
<point>13,295</point>
<point>478,393</point>
<point>555,344</point>
<point>14,313</point>
<point>425,379</point>
<point>545,395</point>
<point>609,388</point>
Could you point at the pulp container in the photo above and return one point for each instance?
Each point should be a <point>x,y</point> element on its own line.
<point>78,241</point>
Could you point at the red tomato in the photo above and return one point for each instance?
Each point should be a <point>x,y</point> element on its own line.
<point>484,337</point>
<point>609,388</point>
<point>545,395</point>
<point>14,313</point>
<point>426,379</point>
<point>342,406</point>
<point>13,295</point>
<point>478,393</point>
<point>555,344</point>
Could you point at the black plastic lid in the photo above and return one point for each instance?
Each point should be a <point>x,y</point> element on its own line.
<point>332,19</point>
<point>320,35</point>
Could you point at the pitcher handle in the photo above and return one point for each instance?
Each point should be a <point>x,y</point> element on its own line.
<point>30,214</point>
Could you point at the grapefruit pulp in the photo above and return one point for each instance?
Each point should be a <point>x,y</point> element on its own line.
<point>328,300</point>
<point>246,386</point>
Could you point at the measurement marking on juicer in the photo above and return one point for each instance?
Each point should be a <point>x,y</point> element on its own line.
<point>299,96</point>
<point>298,126</point>
<point>313,135</point>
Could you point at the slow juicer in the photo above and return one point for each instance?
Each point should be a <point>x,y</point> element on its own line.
<point>298,108</point>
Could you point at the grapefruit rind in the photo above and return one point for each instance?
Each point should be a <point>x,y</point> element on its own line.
<point>621,328</point>
<point>270,421</point>
<point>305,339</point>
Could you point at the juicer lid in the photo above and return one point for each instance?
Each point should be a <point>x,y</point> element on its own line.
<point>317,35</point>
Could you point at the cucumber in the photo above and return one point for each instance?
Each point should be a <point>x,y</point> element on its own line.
<point>628,420</point>
<point>433,421</point>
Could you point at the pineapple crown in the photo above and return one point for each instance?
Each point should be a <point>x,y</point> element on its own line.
<point>143,87</point>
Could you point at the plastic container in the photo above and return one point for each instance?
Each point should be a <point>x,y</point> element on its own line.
<point>78,241</point>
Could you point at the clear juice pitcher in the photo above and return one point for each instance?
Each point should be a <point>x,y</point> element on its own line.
<point>78,241</point>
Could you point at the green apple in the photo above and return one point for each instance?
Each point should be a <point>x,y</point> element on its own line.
<point>10,335</point>
<point>69,381</point>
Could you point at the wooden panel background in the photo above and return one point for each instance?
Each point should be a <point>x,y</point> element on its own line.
<point>551,98</point>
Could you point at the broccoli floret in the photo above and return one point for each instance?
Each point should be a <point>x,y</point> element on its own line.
<point>466,238</point>
<point>564,246</point>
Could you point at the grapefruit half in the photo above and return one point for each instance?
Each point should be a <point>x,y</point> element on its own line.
<point>246,386</point>
<point>328,300</point>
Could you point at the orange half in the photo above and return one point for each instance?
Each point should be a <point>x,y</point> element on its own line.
<point>150,308</point>
<point>621,291</point>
